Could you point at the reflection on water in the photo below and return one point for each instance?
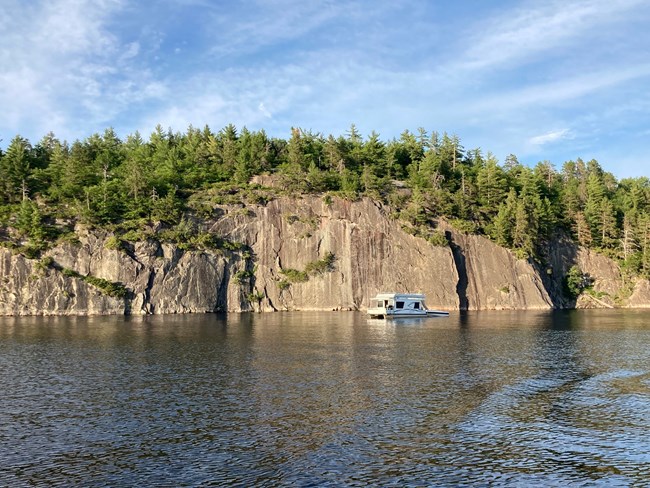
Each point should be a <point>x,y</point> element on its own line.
<point>508,398</point>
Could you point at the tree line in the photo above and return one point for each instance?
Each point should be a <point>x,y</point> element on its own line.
<point>103,181</point>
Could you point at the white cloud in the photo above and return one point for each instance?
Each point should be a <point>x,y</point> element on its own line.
<point>569,88</point>
<point>131,51</point>
<point>550,137</point>
<point>191,111</point>
<point>323,65</point>
<point>264,110</point>
<point>68,72</point>
<point>263,23</point>
<point>71,27</point>
<point>324,93</point>
<point>233,97</point>
<point>518,36</point>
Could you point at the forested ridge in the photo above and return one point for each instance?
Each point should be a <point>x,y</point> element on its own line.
<point>126,185</point>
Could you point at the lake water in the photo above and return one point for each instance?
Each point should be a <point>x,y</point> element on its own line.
<point>334,399</point>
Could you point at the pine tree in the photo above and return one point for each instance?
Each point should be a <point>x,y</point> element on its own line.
<point>227,150</point>
<point>524,233</point>
<point>373,153</point>
<point>644,241</point>
<point>29,223</point>
<point>15,170</point>
<point>504,222</point>
<point>629,242</point>
<point>593,206</point>
<point>335,151</point>
<point>582,230</point>
<point>491,183</point>
<point>608,224</point>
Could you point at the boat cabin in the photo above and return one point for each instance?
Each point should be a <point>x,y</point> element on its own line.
<point>398,301</point>
<point>388,305</point>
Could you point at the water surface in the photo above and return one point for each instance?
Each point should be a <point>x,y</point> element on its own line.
<point>312,399</point>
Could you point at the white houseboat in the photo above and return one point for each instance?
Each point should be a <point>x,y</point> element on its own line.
<point>393,305</point>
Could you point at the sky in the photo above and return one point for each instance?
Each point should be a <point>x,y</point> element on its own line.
<point>544,80</point>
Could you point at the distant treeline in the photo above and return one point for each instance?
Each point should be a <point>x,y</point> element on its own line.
<point>105,181</point>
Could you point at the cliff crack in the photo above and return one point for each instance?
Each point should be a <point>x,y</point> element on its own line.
<point>268,299</point>
<point>277,254</point>
<point>461,269</point>
<point>146,299</point>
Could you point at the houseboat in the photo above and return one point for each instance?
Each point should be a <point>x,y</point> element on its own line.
<point>394,305</point>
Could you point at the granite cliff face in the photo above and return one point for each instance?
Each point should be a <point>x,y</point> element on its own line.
<point>160,278</point>
<point>372,253</point>
<point>276,270</point>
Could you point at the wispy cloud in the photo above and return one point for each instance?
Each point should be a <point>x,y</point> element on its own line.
<point>550,137</point>
<point>262,108</point>
<point>264,23</point>
<point>521,35</point>
<point>243,97</point>
<point>130,51</point>
<point>509,77</point>
<point>69,72</point>
<point>569,88</point>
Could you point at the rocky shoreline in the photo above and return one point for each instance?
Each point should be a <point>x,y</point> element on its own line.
<point>280,267</point>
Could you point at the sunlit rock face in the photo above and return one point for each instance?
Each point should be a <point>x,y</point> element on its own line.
<point>369,252</point>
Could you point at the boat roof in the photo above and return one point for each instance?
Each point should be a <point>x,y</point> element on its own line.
<point>399,296</point>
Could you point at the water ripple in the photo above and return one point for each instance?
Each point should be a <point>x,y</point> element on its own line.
<point>325,400</point>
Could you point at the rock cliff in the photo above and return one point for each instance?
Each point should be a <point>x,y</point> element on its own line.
<point>281,266</point>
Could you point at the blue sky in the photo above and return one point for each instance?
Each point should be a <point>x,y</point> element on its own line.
<point>544,80</point>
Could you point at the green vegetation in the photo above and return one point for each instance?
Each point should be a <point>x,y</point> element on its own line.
<point>115,290</point>
<point>438,238</point>
<point>114,243</point>
<point>294,275</point>
<point>186,234</point>
<point>576,281</point>
<point>313,268</point>
<point>242,276</point>
<point>321,266</point>
<point>170,178</point>
<point>435,237</point>
<point>110,288</point>
<point>255,297</point>
<point>43,264</point>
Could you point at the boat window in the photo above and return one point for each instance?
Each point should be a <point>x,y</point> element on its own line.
<point>399,304</point>
<point>416,305</point>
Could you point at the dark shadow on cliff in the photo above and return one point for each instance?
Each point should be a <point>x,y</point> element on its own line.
<point>558,256</point>
<point>128,301</point>
<point>250,296</point>
<point>461,269</point>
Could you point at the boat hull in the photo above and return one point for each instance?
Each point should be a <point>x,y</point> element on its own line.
<point>396,314</point>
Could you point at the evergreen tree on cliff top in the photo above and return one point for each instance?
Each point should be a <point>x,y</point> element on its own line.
<point>103,180</point>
